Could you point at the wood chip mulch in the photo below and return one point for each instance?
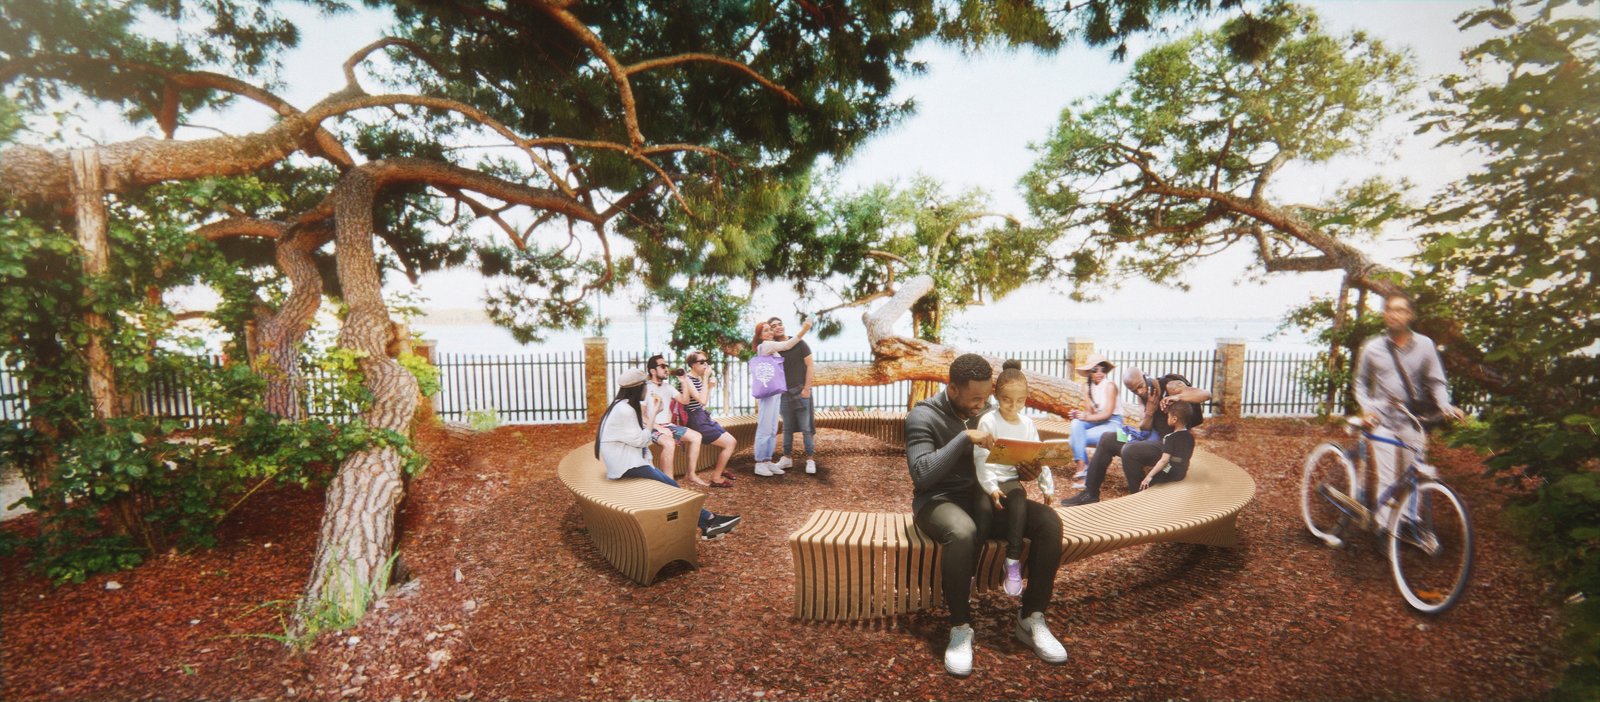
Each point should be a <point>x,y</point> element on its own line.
<point>508,599</point>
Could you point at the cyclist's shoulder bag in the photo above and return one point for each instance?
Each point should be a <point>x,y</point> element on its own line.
<point>1426,410</point>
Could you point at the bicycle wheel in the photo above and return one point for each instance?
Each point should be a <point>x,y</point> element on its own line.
<point>1432,556</point>
<point>1326,469</point>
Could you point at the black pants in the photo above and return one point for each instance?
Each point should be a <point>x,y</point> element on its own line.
<point>1133,453</point>
<point>1134,467</point>
<point>1014,517</point>
<point>960,530</point>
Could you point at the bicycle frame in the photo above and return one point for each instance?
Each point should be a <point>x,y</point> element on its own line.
<point>1359,453</point>
<point>1415,505</point>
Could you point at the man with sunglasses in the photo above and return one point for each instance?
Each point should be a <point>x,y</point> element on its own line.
<point>668,435</point>
<point>1156,395</point>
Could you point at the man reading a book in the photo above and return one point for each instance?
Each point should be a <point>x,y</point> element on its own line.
<point>939,441</point>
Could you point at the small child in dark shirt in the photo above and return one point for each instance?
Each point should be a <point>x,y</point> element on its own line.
<point>1176,447</point>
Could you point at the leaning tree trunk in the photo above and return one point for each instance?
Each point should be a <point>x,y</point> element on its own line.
<point>357,535</point>
<point>898,358</point>
<point>278,338</point>
<point>272,339</point>
<point>926,325</point>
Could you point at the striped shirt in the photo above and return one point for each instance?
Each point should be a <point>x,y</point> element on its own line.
<point>694,404</point>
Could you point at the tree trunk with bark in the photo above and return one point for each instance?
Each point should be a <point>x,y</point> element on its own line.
<point>89,210</point>
<point>273,344</point>
<point>279,337</point>
<point>357,537</point>
<point>897,358</point>
<point>350,567</point>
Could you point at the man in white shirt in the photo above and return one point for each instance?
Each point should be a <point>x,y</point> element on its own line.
<point>669,435</point>
<point>1397,366</point>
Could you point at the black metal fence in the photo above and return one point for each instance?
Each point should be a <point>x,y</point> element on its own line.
<point>549,387</point>
<point>518,389</point>
<point>1273,385</point>
<point>1200,367</point>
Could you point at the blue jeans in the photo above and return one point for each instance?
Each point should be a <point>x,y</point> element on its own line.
<point>797,417</point>
<point>1085,434</point>
<point>767,409</point>
<point>655,473</point>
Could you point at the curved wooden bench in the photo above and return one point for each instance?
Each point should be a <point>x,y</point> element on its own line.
<point>859,565</point>
<point>889,427</point>
<point>862,565</point>
<point>638,524</point>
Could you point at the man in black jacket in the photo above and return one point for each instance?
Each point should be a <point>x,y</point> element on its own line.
<point>939,442</point>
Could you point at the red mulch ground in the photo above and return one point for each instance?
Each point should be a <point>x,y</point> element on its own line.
<point>510,601</point>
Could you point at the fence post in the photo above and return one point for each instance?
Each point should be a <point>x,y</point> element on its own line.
<point>1228,383</point>
<point>594,377</point>
<point>426,348</point>
<point>1078,350</point>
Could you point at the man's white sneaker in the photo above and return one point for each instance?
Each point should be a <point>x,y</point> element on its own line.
<point>782,463</point>
<point>1032,631</point>
<point>958,655</point>
<point>764,469</point>
<point>811,466</point>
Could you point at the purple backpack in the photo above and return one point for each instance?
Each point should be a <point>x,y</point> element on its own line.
<point>766,376</point>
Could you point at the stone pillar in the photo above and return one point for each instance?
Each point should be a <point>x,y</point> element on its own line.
<point>595,378</point>
<point>428,407</point>
<point>1078,351</point>
<point>1227,386</point>
<point>427,349</point>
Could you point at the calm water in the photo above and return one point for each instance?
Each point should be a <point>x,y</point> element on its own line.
<point>994,336</point>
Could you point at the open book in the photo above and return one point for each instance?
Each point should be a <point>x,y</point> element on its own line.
<point>1054,452</point>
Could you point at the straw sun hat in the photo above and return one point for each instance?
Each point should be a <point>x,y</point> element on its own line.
<point>1093,360</point>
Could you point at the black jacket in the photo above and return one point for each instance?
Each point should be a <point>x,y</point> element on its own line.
<point>938,454</point>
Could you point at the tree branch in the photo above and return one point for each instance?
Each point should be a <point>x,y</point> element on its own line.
<point>717,60</point>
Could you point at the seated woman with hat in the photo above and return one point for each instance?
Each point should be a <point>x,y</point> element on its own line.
<point>623,444</point>
<point>1100,418</point>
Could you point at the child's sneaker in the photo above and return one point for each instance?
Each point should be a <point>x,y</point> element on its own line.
<point>811,466</point>
<point>764,469</point>
<point>1013,585</point>
<point>782,463</point>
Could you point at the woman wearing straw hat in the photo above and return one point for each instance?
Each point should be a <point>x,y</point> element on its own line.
<point>623,443</point>
<point>1101,417</point>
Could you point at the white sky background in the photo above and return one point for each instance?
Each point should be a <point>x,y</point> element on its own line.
<point>975,120</point>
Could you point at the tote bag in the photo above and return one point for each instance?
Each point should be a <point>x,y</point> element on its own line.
<point>766,376</point>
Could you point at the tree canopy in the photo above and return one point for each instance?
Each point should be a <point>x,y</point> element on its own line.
<point>665,126</point>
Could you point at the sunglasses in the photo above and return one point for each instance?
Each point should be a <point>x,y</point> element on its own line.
<point>660,365</point>
<point>698,362</point>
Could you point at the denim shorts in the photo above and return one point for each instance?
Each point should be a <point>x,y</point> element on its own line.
<point>677,433</point>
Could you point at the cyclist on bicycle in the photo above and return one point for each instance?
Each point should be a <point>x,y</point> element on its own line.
<point>1399,364</point>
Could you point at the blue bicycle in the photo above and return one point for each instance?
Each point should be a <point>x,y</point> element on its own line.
<point>1428,531</point>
